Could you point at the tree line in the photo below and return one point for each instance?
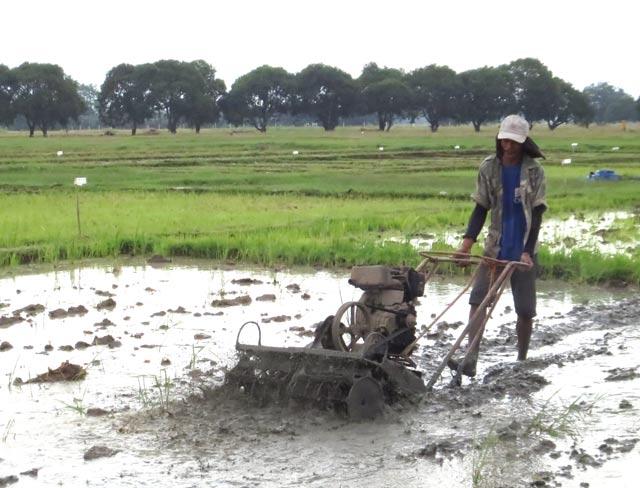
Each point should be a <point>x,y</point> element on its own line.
<point>44,97</point>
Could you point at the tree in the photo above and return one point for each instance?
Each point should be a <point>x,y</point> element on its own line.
<point>258,96</point>
<point>388,98</point>
<point>232,104</point>
<point>384,93</point>
<point>7,89</point>
<point>485,94</point>
<point>581,108</point>
<point>533,84</point>
<point>45,96</point>
<point>372,73</point>
<point>610,104</point>
<point>206,96</point>
<point>326,93</point>
<point>89,95</point>
<point>125,96</point>
<point>560,103</point>
<point>435,88</point>
<point>173,85</point>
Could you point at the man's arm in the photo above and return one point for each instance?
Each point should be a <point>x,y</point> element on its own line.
<point>476,222</point>
<point>530,245</point>
<point>536,223</point>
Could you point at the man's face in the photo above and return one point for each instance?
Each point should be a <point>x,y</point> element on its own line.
<point>512,149</point>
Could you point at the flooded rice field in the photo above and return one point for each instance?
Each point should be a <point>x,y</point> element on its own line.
<point>154,343</point>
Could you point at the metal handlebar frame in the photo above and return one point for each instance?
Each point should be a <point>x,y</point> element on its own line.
<point>250,322</point>
<point>437,257</point>
<point>487,306</point>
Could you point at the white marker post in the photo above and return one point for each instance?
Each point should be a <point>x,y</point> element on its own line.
<point>566,162</point>
<point>78,182</point>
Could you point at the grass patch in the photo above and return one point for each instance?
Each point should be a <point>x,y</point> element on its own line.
<point>245,196</point>
<point>566,421</point>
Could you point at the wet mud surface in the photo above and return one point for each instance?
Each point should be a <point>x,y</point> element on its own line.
<point>156,341</point>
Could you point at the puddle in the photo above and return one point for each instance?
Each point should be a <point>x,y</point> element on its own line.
<point>164,327</point>
<point>587,233</point>
<point>592,232</point>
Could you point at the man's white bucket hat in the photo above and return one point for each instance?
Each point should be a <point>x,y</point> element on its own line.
<point>515,128</point>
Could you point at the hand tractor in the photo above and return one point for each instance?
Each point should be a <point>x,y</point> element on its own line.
<point>359,360</point>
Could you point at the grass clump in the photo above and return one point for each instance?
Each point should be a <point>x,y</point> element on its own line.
<point>590,267</point>
<point>566,421</point>
<point>483,459</point>
<point>157,395</point>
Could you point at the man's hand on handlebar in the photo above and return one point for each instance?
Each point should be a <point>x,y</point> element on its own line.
<point>464,251</point>
<point>527,261</point>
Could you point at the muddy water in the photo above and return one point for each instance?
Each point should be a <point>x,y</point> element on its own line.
<point>566,417</point>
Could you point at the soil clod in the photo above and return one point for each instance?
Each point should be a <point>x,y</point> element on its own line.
<point>230,302</point>
<point>97,452</point>
<point>65,372</point>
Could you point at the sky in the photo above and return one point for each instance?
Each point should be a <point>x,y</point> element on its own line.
<point>582,42</point>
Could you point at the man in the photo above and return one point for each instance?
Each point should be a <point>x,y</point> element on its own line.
<point>511,184</point>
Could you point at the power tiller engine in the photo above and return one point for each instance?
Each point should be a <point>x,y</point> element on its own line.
<point>386,309</point>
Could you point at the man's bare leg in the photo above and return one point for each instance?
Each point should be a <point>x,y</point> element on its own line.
<point>474,330</point>
<point>469,366</point>
<point>523,330</point>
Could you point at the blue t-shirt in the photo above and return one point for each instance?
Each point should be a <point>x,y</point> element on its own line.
<point>514,225</point>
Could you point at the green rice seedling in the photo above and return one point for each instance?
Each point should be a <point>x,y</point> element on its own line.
<point>6,433</point>
<point>273,275</point>
<point>169,323</point>
<point>482,459</point>
<point>222,291</point>
<point>143,393</point>
<point>163,384</point>
<point>195,352</point>
<point>12,374</point>
<point>158,395</point>
<point>76,406</point>
<point>563,422</point>
<point>77,402</point>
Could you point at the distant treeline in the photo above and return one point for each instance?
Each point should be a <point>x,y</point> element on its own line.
<point>174,93</point>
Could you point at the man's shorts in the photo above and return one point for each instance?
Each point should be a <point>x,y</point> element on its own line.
<point>523,288</point>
